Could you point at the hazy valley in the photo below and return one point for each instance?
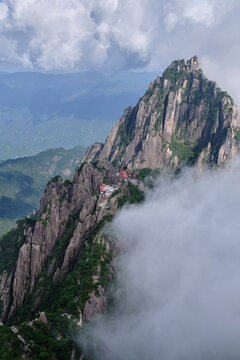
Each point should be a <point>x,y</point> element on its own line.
<point>23,180</point>
<point>42,111</point>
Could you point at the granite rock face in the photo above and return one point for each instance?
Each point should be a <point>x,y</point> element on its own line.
<point>75,206</point>
<point>182,118</point>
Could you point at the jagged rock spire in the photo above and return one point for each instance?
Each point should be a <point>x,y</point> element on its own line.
<point>183,117</point>
<point>193,63</point>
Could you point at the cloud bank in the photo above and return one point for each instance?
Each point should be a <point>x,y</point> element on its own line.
<point>178,280</point>
<point>75,35</point>
<point>68,34</point>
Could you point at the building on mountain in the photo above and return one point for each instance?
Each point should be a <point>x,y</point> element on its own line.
<point>107,189</point>
<point>123,175</point>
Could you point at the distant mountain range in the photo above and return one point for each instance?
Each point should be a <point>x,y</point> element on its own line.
<point>42,111</point>
<point>22,181</point>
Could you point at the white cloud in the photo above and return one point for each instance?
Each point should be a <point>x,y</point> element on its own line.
<point>205,12</point>
<point>178,280</point>
<point>70,35</point>
<point>3,11</point>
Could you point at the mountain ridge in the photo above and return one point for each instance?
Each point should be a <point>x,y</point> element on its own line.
<point>40,107</point>
<point>23,180</point>
<point>55,266</point>
<point>182,117</point>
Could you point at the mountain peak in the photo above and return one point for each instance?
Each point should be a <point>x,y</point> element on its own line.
<point>193,63</point>
<point>182,117</point>
<point>181,69</point>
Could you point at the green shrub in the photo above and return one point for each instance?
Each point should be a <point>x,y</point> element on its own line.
<point>135,194</point>
<point>237,136</point>
<point>143,173</point>
<point>10,345</point>
<point>11,243</point>
<point>183,150</point>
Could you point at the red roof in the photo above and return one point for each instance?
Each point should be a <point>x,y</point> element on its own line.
<point>123,174</point>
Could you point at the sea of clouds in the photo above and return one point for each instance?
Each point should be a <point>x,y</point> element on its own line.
<point>178,277</point>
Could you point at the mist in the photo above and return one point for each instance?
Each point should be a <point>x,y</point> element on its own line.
<point>178,275</point>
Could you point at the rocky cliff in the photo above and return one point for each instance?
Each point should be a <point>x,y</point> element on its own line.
<point>59,261</point>
<point>55,265</point>
<point>182,117</point>
<point>68,213</point>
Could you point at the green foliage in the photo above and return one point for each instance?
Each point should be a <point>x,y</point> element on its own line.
<point>67,182</point>
<point>42,344</point>
<point>222,94</point>
<point>175,75</point>
<point>10,244</point>
<point>118,191</point>
<point>22,181</point>
<point>79,170</point>
<point>62,244</point>
<point>66,296</point>
<point>188,151</point>
<point>161,94</point>
<point>198,97</point>
<point>95,164</point>
<point>123,135</point>
<point>196,150</point>
<point>92,256</point>
<point>183,150</point>
<point>237,136</point>
<point>149,93</point>
<point>147,175</point>
<point>10,345</point>
<point>143,173</point>
<point>31,221</point>
<point>115,162</point>
<point>206,93</point>
<point>54,179</point>
<point>71,294</point>
<point>133,196</point>
<point>122,200</point>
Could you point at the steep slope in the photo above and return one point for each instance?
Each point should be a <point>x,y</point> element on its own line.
<point>183,117</point>
<point>56,266</point>
<point>60,261</point>
<point>22,181</point>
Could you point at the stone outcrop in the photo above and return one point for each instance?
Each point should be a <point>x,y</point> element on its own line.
<point>183,117</point>
<point>68,211</point>
<point>95,306</point>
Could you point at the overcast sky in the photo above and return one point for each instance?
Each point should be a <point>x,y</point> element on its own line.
<point>74,35</point>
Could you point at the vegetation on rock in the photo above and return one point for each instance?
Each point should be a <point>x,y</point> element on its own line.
<point>180,117</point>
